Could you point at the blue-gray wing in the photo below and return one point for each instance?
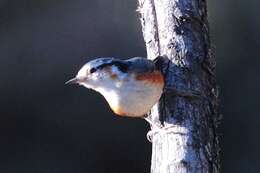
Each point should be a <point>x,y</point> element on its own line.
<point>140,65</point>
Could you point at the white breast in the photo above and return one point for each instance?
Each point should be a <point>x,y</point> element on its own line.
<point>131,98</point>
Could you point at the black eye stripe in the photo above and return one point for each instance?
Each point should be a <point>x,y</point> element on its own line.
<point>121,66</point>
<point>92,70</point>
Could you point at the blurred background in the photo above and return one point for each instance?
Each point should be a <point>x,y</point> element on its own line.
<point>48,127</point>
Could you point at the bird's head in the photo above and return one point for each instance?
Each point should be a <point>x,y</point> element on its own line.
<point>98,73</point>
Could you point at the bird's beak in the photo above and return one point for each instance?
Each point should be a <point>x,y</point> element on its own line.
<point>72,81</point>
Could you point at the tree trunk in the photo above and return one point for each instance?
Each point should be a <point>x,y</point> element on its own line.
<point>188,111</point>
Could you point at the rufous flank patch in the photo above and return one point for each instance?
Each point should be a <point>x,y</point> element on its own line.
<point>154,77</point>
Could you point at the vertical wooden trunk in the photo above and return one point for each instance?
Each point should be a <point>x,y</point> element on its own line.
<point>178,30</point>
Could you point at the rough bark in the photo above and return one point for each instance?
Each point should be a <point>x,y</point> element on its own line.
<point>188,142</point>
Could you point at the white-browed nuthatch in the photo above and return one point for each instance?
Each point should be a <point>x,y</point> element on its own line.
<point>131,87</point>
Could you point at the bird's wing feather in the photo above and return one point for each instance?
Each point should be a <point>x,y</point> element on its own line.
<point>140,65</point>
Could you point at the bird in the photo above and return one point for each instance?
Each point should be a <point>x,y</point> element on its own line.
<point>131,87</point>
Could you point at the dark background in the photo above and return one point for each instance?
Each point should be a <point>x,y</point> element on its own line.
<point>47,127</point>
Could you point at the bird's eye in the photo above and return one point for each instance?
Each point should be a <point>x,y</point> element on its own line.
<point>92,70</point>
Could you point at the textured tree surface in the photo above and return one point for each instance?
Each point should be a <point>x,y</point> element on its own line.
<point>188,142</point>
